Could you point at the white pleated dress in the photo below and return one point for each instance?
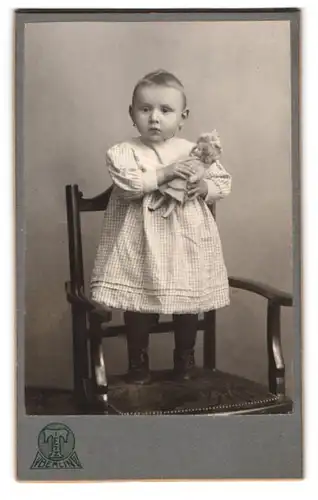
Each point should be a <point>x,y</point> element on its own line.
<point>152,264</point>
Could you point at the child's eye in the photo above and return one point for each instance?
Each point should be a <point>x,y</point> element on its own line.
<point>145,109</point>
<point>165,110</point>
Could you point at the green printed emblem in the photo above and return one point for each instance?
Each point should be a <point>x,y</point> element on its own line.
<point>56,448</point>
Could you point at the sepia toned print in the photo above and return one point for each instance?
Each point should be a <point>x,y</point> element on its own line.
<point>146,263</point>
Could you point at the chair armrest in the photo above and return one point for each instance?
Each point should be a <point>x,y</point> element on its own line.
<point>270,293</point>
<point>276,299</point>
<point>79,298</point>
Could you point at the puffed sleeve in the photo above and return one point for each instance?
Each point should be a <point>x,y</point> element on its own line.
<point>133,181</point>
<point>219,183</point>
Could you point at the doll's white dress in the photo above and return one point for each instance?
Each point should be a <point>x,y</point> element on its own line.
<point>152,264</point>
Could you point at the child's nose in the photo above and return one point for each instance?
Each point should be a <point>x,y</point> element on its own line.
<point>154,116</point>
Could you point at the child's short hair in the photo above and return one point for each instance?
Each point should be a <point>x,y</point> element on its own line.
<point>161,77</point>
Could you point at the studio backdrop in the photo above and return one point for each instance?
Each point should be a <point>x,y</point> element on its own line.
<point>77,89</point>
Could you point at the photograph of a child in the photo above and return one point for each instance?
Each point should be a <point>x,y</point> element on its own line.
<point>147,264</point>
<point>183,120</point>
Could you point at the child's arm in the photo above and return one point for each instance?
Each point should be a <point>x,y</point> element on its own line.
<point>134,182</point>
<point>126,174</point>
<point>219,182</point>
<point>215,185</point>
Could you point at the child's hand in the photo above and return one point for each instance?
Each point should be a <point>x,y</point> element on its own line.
<point>183,170</point>
<point>199,188</point>
<point>193,162</point>
<point>190,168</point>
<point>179,169</point>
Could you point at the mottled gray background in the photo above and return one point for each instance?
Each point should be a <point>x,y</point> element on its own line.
<point>78,80</point>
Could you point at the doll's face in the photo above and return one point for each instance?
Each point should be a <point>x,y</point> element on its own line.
<point>204,151</point>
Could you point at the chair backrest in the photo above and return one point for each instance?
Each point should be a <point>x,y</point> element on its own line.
<point>75,204</point>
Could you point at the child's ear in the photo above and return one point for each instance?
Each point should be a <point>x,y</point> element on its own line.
<point>131,113</point>
<point>185,114</point>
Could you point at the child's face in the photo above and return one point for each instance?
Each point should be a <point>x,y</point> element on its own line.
<point>158,112</point>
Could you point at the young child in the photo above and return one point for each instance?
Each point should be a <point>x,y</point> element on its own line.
<point>146,264</point>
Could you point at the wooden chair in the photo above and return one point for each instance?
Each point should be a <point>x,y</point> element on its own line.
<point>210,392</point>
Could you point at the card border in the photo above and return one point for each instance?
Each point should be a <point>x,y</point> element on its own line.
<point>160,447</point>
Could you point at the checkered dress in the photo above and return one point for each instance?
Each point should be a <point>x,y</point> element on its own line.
<point>152,264</point>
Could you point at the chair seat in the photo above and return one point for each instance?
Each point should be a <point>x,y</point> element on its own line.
<point>210,391</point>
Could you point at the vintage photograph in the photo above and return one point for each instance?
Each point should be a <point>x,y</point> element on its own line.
<point>158,215</point>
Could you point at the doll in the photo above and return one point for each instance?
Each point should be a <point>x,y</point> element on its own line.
<point>207,150</point>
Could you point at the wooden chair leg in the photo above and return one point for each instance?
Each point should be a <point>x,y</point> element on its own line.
<point>99,377</point>
<point>209,340</point>
<point>276,366</point>
<point>80,353</point>
<point>99,384</point>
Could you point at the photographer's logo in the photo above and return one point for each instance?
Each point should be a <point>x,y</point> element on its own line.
<point>56,448</point>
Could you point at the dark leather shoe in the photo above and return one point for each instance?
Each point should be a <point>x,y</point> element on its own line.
<point>184,364</point>
<point>138,372</point>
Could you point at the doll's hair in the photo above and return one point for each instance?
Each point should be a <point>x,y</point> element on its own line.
<point>160,77</point>
<point>208,147</point>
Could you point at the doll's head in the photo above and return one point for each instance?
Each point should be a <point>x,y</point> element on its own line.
<point>208,148</point>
